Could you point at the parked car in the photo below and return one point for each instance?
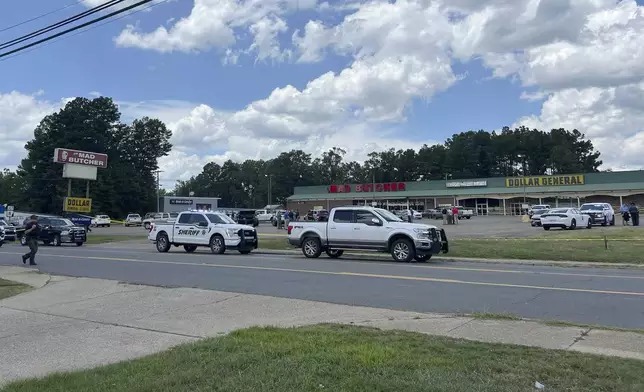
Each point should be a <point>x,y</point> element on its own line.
<point>600,213</point>
<point>367,228</point>
<point>9,230</point>
<point>210,229</point>
<point>132,220</point>
<point>538,207</point>
<point>264,215</point>
<point>247,217</point>
<point>1,236</point>
<point>565,218</point>
<point>156,217</point>
<point>101,221</point>
<point>57,231</point>
<point>535,218</point>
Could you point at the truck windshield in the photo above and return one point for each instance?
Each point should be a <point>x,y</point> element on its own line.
<point>219,218</point>
<point>587,207</point>
<point>388,216</point>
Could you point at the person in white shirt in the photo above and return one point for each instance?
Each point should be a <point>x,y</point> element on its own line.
<point>409,216</point>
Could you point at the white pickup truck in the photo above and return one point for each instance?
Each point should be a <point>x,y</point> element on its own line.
<point>367,228</point>
<point>197,228</point>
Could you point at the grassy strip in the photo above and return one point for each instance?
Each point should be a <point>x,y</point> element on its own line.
<point>527,249</point>
<point>617,233</point>
<point>349,359</point>
<point>9,288</point>
<point>94,239</point>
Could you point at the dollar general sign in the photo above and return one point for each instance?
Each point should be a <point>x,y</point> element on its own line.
<point>544,181</point>
<point>77,204</point>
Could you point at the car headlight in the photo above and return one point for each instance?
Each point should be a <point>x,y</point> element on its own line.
<point>66,232</point>
<point>232,232</point>
<point>422,233</point>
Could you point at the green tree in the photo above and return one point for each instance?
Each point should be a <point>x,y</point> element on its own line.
<point>127,185</point>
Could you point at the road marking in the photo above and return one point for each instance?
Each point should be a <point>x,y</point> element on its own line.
<point>356,274</point>
<point>388,263</point>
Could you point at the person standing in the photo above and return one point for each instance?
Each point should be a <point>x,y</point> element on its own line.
<point>455,213</point>
<point>444,212</point>
<point>409,216</point>
<point>634,211</point>
<point>32,232</point>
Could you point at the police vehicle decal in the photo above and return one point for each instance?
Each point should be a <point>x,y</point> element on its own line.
<point>192,232</point>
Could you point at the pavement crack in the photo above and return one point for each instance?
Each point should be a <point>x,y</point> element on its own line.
<point>97,297</point>
<point>579,338</point>
<point>113,324</point>
<point>459,326</point>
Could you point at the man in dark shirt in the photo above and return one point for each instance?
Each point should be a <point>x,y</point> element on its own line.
<point>32,231</point>
<point>635,214</point>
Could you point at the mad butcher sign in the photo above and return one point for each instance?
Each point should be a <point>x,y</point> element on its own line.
<point>83,158</point>
<point>378,187</point>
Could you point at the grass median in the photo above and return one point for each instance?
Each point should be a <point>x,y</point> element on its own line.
<point>10,288</point>
<point>615,245</point>
<point>349,359</point>
<point>94,239</point>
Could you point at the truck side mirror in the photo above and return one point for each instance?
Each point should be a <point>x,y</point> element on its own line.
<point>375,222</point>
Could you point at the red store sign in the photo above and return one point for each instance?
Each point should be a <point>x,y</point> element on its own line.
<point>384,187</point>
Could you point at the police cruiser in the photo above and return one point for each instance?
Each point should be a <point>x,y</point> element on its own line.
<point>197,228</point>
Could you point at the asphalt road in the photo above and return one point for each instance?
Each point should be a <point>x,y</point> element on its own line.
<point>610,297</point>
<point>483,226</point>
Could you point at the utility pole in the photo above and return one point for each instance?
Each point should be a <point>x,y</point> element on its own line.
<point>373,188</point>
<point>270,187</point>
<point>159,190</point>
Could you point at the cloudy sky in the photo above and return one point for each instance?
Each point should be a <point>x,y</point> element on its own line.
<point>250,79</point>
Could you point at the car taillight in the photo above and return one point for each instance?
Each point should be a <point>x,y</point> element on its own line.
<point>290,228</point>
<point>151,226</point>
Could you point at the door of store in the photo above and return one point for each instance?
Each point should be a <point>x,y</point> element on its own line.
<point>481,207</point>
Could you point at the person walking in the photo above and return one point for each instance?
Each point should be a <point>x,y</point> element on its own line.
<point>409,216</point>
<point>625,215</point>
<point>455,213</point>
<point>32,231</point>
<point>444,212</point>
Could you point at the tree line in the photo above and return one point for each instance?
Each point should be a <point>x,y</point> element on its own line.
<point>472,154</point>
<point>129,182</point>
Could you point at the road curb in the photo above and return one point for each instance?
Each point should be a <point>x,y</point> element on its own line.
<point>555,263</point>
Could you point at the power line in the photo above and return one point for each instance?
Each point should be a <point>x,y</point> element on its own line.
<point>87,29</point>
<point>42,15</point>
<point>60,24</point>
<point>91,22</point>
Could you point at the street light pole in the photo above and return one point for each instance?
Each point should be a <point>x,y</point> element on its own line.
<point>158,191</point>
<point>270,187</point>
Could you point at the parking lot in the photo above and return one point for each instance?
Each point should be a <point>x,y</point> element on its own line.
<point>477,227</point>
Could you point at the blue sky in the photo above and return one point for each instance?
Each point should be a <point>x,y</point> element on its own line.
<point>90,61</point>
<point>206,102</point>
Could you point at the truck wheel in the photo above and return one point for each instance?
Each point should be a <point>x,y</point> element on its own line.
<point>590,224</point>
<point>423,258</point>
<point>612,221</point>
<point>244,252</point>
<point>56,241</point>
<point>163,243</point>
<point>190,248</point>
<point>334,254</point>
<point>79,244</point>
<point>546,228</point>
<point>467,217</point>
<point>217,244</point>
<point>311,248</point>
<point>402,250</point>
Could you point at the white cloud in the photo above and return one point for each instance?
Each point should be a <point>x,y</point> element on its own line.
<point>583,58</point>
<point>218,24</point>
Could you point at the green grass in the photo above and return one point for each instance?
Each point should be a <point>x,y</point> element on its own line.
<point>93,239</point>
<point>9,288</point>
<point>349,359</point>
<point>493,316</point>
<point>597,232</point>
<point>525,249</point>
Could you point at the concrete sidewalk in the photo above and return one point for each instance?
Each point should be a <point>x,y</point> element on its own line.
<point>75,323</point>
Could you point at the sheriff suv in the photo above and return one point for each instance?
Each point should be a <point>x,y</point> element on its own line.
<point>214,230</point>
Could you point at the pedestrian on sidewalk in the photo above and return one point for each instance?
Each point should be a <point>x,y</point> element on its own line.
<point>32,232</point>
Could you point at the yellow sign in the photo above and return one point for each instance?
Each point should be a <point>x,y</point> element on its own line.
<point>539,181</point>
<point>77,204</point>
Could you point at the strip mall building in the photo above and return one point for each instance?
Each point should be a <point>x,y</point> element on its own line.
<point>486,196</point>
